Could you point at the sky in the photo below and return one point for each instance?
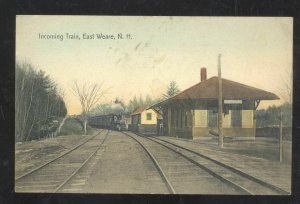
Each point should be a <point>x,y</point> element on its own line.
<point>153,51</point>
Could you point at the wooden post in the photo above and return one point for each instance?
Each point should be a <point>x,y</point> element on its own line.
<point>280,138</point>
<point>220,104</point>
<point>256,103</point>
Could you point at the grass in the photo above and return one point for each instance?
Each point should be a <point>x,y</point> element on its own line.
<point>73,126</point>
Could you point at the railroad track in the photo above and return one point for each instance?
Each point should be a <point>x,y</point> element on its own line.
<point>157,165</point>
<point>183,175</point>
<point>55,174</point>
<point>228,174</point>
<point>215,150</point>
<point>252,184</point>
<point>240,181</point>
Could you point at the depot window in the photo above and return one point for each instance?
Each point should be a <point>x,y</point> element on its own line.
<point>212,118</point>
<point>149,116</point>
<point>236,118</point>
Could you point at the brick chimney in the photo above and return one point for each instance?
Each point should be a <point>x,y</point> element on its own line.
<point>203,74</point>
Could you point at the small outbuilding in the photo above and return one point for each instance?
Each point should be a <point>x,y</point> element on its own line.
<point>145,121</point>
<point>193,113</point>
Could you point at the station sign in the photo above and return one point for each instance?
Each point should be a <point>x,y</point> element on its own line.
<point>233,102</point>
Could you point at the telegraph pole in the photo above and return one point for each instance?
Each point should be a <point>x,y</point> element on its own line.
<point>220,104</point>
<point>280,137</point>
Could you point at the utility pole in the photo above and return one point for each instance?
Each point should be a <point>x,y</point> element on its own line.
<point>280,138</point>
<point>220,104</point>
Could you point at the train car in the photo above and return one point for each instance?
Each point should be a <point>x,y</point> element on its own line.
<point>110,121</point>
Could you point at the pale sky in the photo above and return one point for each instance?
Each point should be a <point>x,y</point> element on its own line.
<point>256,51</point>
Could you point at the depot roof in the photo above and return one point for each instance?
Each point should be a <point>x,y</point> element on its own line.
<point>208,90</point>
<point>138,110</point>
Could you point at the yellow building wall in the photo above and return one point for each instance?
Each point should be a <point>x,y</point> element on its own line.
<point>144,117</point>
<point>202,121</point>
<point>247,118</point>
<point>200,118</point>
<point>226,120</point>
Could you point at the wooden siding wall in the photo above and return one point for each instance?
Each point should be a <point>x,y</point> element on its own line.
<point>179,122</point>
<point>148,129</point>
<point>192,121</point>
<point>135,119</point>
<point>180,117</point>
<point>145,129</point>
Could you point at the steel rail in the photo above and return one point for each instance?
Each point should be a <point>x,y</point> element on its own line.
<point>56,158</point>
<point>243,174</point>
<point>213,145</point>
<point>158,167</point>
<point>231,183</point>
<point>81,166</point>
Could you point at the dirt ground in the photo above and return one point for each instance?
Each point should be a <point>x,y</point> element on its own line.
<point>124,167</point>
<point>261,147</point>
<point>124,158</point>
<point>29,155</point>
<point>258,158</point>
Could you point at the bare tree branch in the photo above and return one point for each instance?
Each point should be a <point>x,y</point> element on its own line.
<point>89,95</point>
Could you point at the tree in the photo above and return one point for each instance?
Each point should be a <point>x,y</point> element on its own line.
<point>141,102</point>
<point>172,90</point>
<point>270,116</point>
<point>148,101</point>
<point>101,109</point>
<point>37,103</point>
<point>89,95</point>
<point>132,105</point>
<point>108,108</point>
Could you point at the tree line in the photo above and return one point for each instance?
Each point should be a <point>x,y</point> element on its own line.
<point>135,102</point>
<point>38,103</point>
<point>270,117</point>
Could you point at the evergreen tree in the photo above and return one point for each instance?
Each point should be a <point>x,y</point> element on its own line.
<point>172,90</point>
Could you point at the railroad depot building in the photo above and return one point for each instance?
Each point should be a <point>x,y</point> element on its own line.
<point>193,113</point>
<point>144,121</point>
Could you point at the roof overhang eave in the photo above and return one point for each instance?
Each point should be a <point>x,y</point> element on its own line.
<point>160,104</point>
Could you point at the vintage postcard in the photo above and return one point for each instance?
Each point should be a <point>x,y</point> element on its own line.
<point>153,105</point>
